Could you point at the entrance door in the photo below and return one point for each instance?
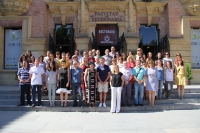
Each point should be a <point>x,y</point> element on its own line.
<point>64,38</point>
<point>149,39</point>
<point>106,36</point>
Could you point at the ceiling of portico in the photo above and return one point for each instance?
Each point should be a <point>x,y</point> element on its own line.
<point>192,7</point>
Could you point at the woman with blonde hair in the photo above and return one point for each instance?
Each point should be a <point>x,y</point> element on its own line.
<point>139,53</point>
<point>180,73</point>
<point>131,64</point>
<point>116,83</point>
<point>152,82</point>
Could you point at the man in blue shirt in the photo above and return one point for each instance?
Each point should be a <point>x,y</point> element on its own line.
<point>24,83</point>
<point>139,76</point>
<point>76,80</point>
<point>103,75</point>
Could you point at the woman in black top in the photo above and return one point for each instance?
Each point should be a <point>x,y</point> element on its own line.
<point>116,83</point>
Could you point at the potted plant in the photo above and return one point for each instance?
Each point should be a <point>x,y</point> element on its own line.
<point>188,73</point>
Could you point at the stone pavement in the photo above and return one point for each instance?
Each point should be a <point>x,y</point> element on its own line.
<point>180,121</point>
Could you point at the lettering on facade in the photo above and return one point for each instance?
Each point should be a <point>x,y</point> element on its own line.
<point>107,16</point>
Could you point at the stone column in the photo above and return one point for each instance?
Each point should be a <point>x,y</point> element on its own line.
<point>83,31</point>
<point>130,21</point>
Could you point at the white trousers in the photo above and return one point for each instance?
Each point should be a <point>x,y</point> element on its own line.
<point>115,99</point>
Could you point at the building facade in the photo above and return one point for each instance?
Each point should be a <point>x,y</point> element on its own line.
<point>65,25</point>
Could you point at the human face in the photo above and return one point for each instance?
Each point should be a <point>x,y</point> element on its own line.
<point>85,54</point>
<point>48,53</point>
<point>107,52</point>
<point>130,53</point>
<point>159,62</point>
<point>150,65</point>
<point>67,57</point>
<point>138,63</point>
<point>97,60</point>
<point>63,64</point>
<point>32,59</point>
<point>51,56</point>
<point>166,55</point>
<point>139,51</point>
<point>24,64</point>
<point>120,60</point>
<point>91,66</point>
<point>112,49</point>
<point>63,56</point>
<point>58,55</point>
<point>75,65</point>
<point>23,58</point>
<point>75,58</point>
<point>159,55</point>
<point>102,61</point>
<point>76,52</point>
<point>150,55</point>
<point>168,65</point>
<point>40,59</point>
<point>97,52</point>
<point>90,54</point>
<point>85,60</point>
<point>114,62</point>
<point>93,51</point>
<point>117,54</point>
<point>179,62</point>
<point>125,64</point>
<point>36,62</point>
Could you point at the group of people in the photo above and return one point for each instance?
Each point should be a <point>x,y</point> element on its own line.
<point>91,72</point>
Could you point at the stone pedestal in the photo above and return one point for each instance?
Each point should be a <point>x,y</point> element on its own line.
<point>132,43</point>
<point>82,43</point>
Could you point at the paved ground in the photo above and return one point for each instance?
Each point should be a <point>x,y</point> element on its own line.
<point>76,122</point>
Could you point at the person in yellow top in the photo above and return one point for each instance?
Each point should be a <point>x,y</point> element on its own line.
<point>63,58</point>
<point>180,73</point>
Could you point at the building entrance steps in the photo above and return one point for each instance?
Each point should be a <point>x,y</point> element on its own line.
<point>10,98</point>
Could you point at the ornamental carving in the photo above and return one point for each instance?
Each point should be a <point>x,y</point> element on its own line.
<point>150,9</point>
<point>14,7</point>
<point>192,7</point>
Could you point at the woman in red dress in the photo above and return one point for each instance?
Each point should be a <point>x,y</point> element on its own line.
<point>84,66</point>
<point>131,64</point>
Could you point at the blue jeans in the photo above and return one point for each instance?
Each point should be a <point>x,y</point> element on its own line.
<point>51,92</point>
<point>39,87</point>
<point>138,95</point>
<point>159,91</point>
<point>74,87</point>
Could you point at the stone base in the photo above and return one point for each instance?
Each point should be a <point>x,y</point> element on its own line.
<point>132,43</point>
<point>82,43</point>
<point>8,77</point>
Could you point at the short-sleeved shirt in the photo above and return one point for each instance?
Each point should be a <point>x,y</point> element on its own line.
<point>103,72</point>
<point>116,79</point>
<point>127,73</point>
<point>60,63</point>
<point>24,75</point>
<point>36,72</point>
<point>76,75</point>
<point>108,59</point>
<point>139,72</point>
<point>52,75</point>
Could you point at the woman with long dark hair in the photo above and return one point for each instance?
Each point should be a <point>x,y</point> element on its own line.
<point>21,59</point>
<point>43,65</point>
<point>28,55</point>
<point>32,61</point>
<point>51,80</point>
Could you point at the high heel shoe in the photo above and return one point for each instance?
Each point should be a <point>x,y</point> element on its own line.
<point>61,104</point>
<point>65,105</point>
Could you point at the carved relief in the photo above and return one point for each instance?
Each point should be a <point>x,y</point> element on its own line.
<point>192,7</point>
<point>14,7</point>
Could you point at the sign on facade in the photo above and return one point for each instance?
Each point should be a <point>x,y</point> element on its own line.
<point>107,16</point>
<point>195,47</point>
<point>13,48</point>
<point>107,34</point>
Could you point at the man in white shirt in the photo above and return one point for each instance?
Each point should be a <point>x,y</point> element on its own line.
<point>126,91</point>
<point>36,73</point>
<point>107,57</point>
<point>78,55</point>
<point>112,53</point>
<point>47,57</point>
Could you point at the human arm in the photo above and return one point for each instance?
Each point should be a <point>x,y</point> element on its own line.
<point>68,75</point>
<point>107,78</point>
<point>122,78</point>
<point>85,77</point>
<point>110,81</point>
<point>58,76</point>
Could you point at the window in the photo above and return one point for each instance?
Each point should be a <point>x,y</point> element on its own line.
<point>149,35</point>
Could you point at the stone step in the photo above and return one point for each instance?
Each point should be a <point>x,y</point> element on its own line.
<point>70,102</point>
<point>70,97</point>
<point>146,108</point>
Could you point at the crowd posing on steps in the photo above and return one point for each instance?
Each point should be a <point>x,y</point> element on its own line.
<point>91,76</point>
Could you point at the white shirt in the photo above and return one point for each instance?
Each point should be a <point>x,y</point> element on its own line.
<point>127,73</point>
<point>46,59</point>
<point>112,54</point>
<point>80,58</point>
<point>121,66</point>
<point>169,74</point>
<point>36,73</point>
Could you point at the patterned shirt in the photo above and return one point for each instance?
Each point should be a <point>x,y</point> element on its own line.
<point>24,75</point>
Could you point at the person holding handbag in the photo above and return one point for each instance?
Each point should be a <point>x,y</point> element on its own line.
<point>139,76</point>
<point>116,83</point>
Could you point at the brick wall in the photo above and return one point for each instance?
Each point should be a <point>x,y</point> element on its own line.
<point>175,13</point>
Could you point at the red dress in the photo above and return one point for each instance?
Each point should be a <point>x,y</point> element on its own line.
<point>91,59</point>
<point>131,65</point>
<point>84,67</point>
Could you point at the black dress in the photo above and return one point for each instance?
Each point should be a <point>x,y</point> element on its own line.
<point>91,90</point>
<point>63,79</point>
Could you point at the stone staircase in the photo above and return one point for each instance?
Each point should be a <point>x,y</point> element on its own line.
<point>10,98</point>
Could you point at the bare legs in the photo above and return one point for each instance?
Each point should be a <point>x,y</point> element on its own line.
<point>152,98</point>
<point>104,96</point>
<point>180,91</point>
<point>61,99</point>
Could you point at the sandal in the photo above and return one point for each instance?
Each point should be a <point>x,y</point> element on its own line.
<point>51,105</point>
<point>61,104</point>
<point>65,105</point>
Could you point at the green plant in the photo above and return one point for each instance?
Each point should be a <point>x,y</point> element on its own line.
<point>188,71</point>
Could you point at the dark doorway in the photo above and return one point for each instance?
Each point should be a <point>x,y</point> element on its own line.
<point>152,49</point>
<point>64,38</point>
<point>103,48</point>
